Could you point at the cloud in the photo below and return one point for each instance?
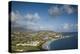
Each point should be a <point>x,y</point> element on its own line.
<point>27,21</point>
<point>54,10</point>
<point>50,28</point>
<point>69,27</point>
<point>32,17</point>
<point>66,26</point>
<point>60,10</point>
<point>68,9</point>
<point>13,16</point>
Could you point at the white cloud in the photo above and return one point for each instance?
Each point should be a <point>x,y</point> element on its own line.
<point>28,21</point>
<point>32,17</point>
<point>46,28</point>
<point>59,10</point>
<point>68,9</point>
<point>16,16</point>
<point>67,26</point>
<point>36,15</point>
<point>54,10</point>
<point>13,16</point>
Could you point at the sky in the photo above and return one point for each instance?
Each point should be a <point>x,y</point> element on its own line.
<point>40,16</point>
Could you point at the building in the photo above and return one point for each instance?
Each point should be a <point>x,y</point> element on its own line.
<point>31,43</point>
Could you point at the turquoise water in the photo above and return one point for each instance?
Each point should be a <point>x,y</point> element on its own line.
<point>65,43</point>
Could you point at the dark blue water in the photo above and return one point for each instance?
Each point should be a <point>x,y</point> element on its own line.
<point>66,43</point>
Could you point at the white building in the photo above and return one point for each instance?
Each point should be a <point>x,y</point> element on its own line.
<point>32,43</point>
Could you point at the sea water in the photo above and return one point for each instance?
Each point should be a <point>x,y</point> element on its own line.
<point>65,43</point>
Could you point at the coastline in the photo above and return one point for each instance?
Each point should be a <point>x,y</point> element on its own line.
<point>46,45</point>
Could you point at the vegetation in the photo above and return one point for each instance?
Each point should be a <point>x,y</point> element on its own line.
<point>30,41</point>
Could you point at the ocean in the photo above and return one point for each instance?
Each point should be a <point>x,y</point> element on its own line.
<point>65,43</point>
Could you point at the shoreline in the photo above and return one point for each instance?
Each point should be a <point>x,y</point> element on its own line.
<point>46,45</point>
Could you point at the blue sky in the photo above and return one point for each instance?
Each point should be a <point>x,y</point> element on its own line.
<point>37,16</point>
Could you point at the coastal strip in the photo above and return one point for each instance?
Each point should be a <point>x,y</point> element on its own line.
<point>46,45</point>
